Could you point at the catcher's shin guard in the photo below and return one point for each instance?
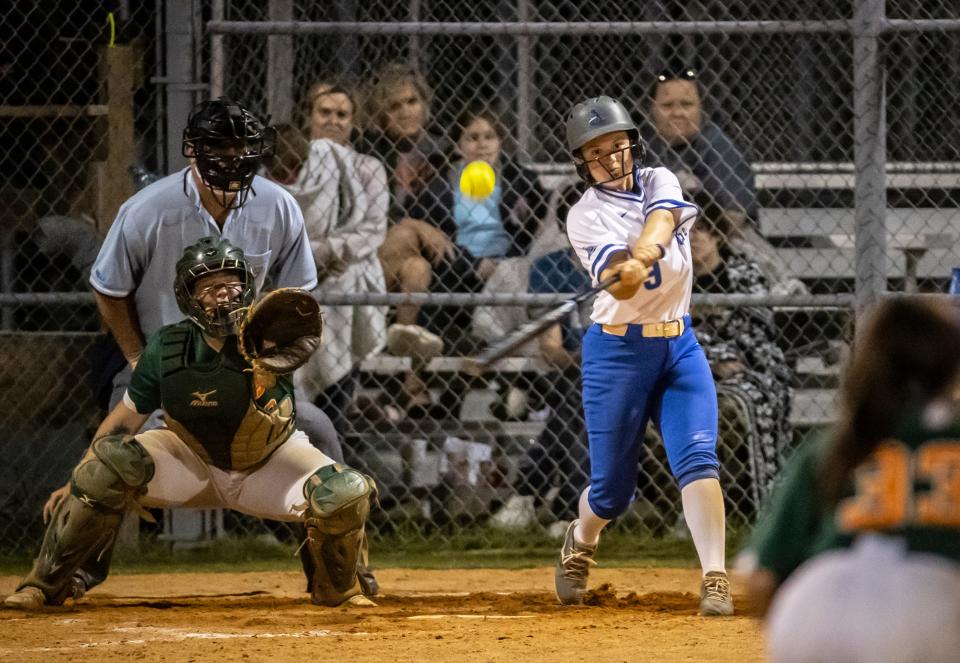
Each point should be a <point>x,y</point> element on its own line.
<point>338,503</point>
<point>369,585</point>
<point>85,523</point>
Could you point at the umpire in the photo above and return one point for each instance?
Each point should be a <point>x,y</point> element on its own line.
<point>218,194</point>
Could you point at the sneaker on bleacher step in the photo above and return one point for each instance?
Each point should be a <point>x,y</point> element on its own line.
<point>511,405</point>
<point>413,341</point>
<point>518,513</point>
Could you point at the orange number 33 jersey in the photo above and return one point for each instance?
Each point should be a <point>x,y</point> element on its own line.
<point>899,487</point>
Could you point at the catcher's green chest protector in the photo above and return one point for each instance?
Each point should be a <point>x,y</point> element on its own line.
<point>211,407</point>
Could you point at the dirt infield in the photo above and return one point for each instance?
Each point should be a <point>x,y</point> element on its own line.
<point>422,615</point>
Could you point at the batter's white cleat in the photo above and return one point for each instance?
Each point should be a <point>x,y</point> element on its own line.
<point>518,513</point>
<point>28,598</point>
<point>573,568</point>
<point>715,599</point>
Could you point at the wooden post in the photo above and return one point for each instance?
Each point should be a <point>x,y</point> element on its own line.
<point>121,74</point>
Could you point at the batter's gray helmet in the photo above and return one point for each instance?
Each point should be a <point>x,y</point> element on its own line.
<point>595,117</point>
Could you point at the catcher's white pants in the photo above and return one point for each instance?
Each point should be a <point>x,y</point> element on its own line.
<point>273,490</point>
<point>875,602</point>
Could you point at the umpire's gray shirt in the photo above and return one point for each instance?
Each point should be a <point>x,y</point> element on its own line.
<point>152,229</point>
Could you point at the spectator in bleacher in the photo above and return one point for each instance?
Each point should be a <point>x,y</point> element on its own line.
<point>329,112</point>
<point>711,167</point>
<point>396,130</point>
<point>482,232</point>
<point>344,198</point>
<point>559,456</point>
<point>697,150</point>
<point>753,378</point>
<point>467,238</point>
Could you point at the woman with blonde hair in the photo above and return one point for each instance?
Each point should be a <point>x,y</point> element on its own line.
<point>396,130</point>
<point>396,115</point>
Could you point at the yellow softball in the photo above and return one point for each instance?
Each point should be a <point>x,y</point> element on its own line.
<point>477,180</point>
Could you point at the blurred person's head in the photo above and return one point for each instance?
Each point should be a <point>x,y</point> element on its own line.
<point>677,106</point>
<point>398,102</point>
<point>569,196</point>
<point>708,237</point>
<point>604,142</point>
<point>330,112</point>
<point>906,360</point>
<point>289,155</point>
<point>706,244</point>
<point>478,135</point>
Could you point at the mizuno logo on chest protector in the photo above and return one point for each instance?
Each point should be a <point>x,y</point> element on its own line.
<point>201,399</point>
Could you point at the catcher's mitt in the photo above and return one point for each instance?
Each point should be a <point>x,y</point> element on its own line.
<point>280,331</point>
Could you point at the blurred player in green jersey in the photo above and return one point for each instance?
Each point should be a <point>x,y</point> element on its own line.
<point>860,548</point>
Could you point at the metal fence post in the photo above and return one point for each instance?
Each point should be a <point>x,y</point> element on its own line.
<point>216,54</point>
<point>348,50</point>
<point>279,83</point>
<point>870,148</point>
<point>178,69</point>
<point>524,105</point>
<point>414,46</point>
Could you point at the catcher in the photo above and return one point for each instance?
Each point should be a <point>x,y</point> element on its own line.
<point>222,378</point>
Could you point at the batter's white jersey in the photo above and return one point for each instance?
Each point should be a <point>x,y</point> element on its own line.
<point>604,222</point>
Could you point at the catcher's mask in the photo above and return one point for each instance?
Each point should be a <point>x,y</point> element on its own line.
<point>593,118</point>
<point>228,143</point>
<point>219,311</point>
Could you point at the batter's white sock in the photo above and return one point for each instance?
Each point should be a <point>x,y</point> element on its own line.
<point>703,511</point>
<point>589,525</point>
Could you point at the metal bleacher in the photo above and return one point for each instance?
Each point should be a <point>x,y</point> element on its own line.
<point>807,212</point>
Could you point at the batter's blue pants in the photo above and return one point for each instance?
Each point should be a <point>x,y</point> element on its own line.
<point>626,380</point>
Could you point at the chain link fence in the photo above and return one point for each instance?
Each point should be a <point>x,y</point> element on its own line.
<point>79,109</point>
<point>819,139</point>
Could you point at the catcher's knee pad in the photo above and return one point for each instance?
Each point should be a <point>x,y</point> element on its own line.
<point>338,498</point>
<point>121,468</point>
<point>338,503</point>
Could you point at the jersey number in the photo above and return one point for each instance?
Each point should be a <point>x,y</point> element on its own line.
<point>886,496</point>
<point>654,280</point>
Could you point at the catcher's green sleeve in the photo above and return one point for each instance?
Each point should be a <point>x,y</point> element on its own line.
<point>144,388</point>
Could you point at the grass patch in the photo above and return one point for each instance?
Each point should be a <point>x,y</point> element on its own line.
<point>476,547</point>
